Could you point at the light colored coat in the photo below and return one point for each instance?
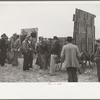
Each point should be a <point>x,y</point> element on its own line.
<point>71,54</point>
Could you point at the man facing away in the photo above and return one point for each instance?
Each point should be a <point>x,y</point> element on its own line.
<point>70,54</point>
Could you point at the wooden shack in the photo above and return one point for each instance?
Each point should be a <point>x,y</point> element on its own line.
<point>28,32</point>
<point>84,31</point>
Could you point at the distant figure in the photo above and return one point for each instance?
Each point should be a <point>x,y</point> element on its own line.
<point>15,43</point>
<point>31,51</point>
<point>42,50</point>
<point>70,55</point>
<point>95,45</point>
<point>97,59</point>
<point>55,54</point>
<point>16,50</point>
<point>49,44</point>
<point>27,54</point>
<point>3,49</point>
<point>38,61</point>
<point>9,57</point>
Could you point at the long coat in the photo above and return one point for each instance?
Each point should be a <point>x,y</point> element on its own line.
<point>71,54</point>
<point>3,50</point>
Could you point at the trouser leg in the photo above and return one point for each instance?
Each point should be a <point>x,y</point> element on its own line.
<point>16,58</point>
<point>75,78</point>
<point>52,64</point>
<point>70,75</point>
<point>25,62</point>
<point>2,58</point>
<point>39,60</point>
<point>13,59</point>
<point>30,60</point>
<point>2,61</point>
<point>43,61</point>
<point>46,60</point>
<point>98,70</point>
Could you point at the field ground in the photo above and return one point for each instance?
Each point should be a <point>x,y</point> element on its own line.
<point>9,73</point>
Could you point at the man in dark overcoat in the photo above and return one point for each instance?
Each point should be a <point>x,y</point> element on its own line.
<point>3,49</point>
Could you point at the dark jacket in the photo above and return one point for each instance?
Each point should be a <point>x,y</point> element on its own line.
<point>56,48</point>
<point>43,48</point>
<point>3,48</point>
<point>3,45</point>
<point>97,54</point>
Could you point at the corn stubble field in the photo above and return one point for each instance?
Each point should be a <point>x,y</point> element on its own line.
<point>9,73</point>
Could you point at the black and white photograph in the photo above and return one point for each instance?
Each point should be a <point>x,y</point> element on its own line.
<point>49,42</point>
<point>49,49</point>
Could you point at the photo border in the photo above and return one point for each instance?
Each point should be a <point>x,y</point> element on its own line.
<point>8,90</point>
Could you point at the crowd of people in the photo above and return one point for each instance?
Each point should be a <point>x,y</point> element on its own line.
<point>49,53</point>
<point>12,48</point>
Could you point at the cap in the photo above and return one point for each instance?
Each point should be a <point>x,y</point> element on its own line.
<point>69,39</point>
<point>55,38</point>
<point>4,35</point>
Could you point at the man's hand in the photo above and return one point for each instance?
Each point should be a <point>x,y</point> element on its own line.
<point>95,59</point>
<point>11,49</point>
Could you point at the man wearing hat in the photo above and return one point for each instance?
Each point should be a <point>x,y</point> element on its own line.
<point>14,50</point>
<point>70,54</point>
<point>27,54</point>
<point>3,49</point>
<point>55,53</point>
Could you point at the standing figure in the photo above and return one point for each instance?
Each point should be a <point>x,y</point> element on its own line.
<point>9,52</point>
<point>14,48</point>
<point>42,50</point>
<point>55,53</point>
<point>38,61</point>
<point>3,49</point>
<point>27,54</point>
<point>70,54</point>
<point>31,50</point>
<point>97,59</point>
<point>49,44</point>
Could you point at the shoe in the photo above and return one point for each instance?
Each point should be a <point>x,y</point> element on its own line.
<point>26,70</point>
<point>31,67</point>
<point>2,65</point>
<point>52,74</point>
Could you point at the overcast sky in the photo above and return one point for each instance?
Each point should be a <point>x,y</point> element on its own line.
<point>51,18</point>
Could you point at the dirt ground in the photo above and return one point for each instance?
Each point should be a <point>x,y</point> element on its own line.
<point>9,73</point>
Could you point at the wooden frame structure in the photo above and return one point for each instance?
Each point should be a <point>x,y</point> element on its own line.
<point>84,31</point>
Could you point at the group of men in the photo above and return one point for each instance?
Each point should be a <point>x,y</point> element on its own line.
<point>49,54</point>
<point>44,51</point>
<point>9,48</point>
